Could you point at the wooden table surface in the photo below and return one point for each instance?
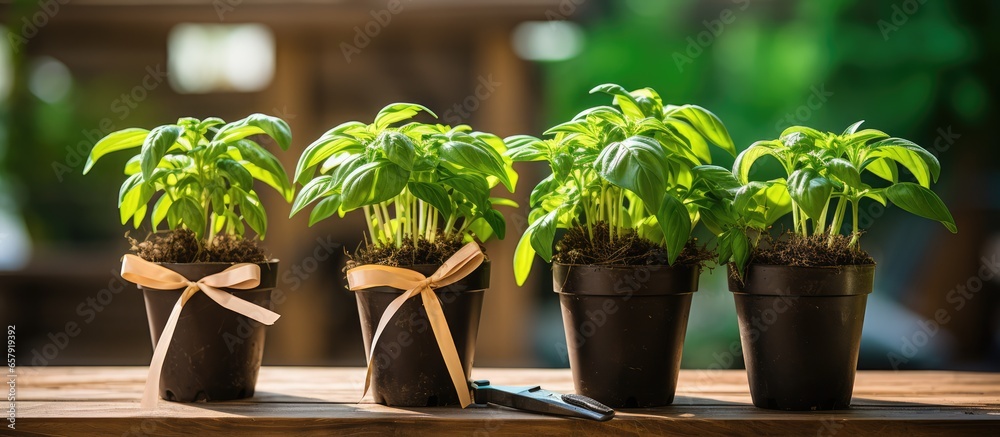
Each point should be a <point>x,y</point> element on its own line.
<point>324,401</point>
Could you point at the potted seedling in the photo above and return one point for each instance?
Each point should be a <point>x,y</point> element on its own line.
<point>424,191</point>
<point>198,177</point>
<point>627,184</point>
<point>800,297</point>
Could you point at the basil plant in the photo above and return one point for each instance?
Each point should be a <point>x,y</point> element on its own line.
<point>823,177</point>
<point>203,171</point>
<point>637,165</point>
<point>412,181</point>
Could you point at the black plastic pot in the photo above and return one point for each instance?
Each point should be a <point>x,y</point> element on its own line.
<point>408,370</point>
<point>801,330</point>
<point>215,353</point>
<point>625,329</point>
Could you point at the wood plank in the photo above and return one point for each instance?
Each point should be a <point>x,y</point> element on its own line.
<point>320,401</point>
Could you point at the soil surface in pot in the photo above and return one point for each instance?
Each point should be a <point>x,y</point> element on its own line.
<point>408,254</point>
<point>791,249</point>
<point>181,246</point>
<point>628,248</point>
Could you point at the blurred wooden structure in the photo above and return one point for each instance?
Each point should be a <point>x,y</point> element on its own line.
<point>435,52</point>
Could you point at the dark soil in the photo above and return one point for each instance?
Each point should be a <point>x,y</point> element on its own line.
<point>181,246</point>
<point>791,249</point>
<point>576,247</point>
<point>425,252</point>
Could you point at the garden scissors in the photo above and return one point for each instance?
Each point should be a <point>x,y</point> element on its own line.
<point>537,400</point>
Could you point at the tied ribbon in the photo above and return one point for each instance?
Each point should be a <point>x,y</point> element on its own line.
<point>458,266</point>
<point>242,276</point>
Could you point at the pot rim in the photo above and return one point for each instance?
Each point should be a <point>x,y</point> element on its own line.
<point>270,261</point>
<point>619,281</point>
<point>627,266</point>
<point>410,266</point>
<point>819,281</point>
<point>843,266</point>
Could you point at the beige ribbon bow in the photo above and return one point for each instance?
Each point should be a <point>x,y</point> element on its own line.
<point>458,266</point>
<point>243,276</point>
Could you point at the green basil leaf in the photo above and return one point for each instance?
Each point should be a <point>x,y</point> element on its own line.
<point>775,200</point>
<point>524,255</point>
<point>523,148</point>
<point>852,128</point>
<point>155,146</point>
<point>741,251</point>
<point>500,201</point>
<point>865,135</point>
<point>217,195</point>
<point>235,173</point>
<point>543,233</point>
<point>746,158</point>
<point>725,247</point>
<point>188,213</point>
<point>372,183</point>
<point>160,210</point>
<point>433,194</point>
<point>810,191</point>
<point>474,187</point>
<point>844,171</point>
<point>496,222</point>
<point>922,202</point>
<point>265,167</point>
<point>253,213</point>
<point>255,124</point>
<point>636,164</point>
<point>325,208</point>
<point>321,149</point>
<point>676,225</point>
<point>694,140</point>
<point>208,123</point>
<point>115,141</point>
<point>477,156</point>
<point>398,112</point>
<point>398,148</point>
<point>544,188</point>
<point>884,168</point>
<point>629,106</point>
<point>313,190</point>
<point>570,127</point>
<point>707,124</point>
<point>716,178</point>
<point>924,166</point>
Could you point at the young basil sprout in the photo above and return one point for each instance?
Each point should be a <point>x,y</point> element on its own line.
<point>434,178</point>
<point>204,171</point>
<point>824,176</point>
<point>637,165</point>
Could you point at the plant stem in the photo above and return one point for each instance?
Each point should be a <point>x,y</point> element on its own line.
<point>854,213</point>
<point>795,218</point>
<point>450,224</point>
<point>820,225</point>
<point>368,221</point>
<point>838,219</point>
<point>388,224</point>
<point>400,211</point>
<point>434,225</point>
<point>414,225</point>
<point>465,225</point>
<point>620,212</point>
<point>380,224</point>
<point>422,221</point>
